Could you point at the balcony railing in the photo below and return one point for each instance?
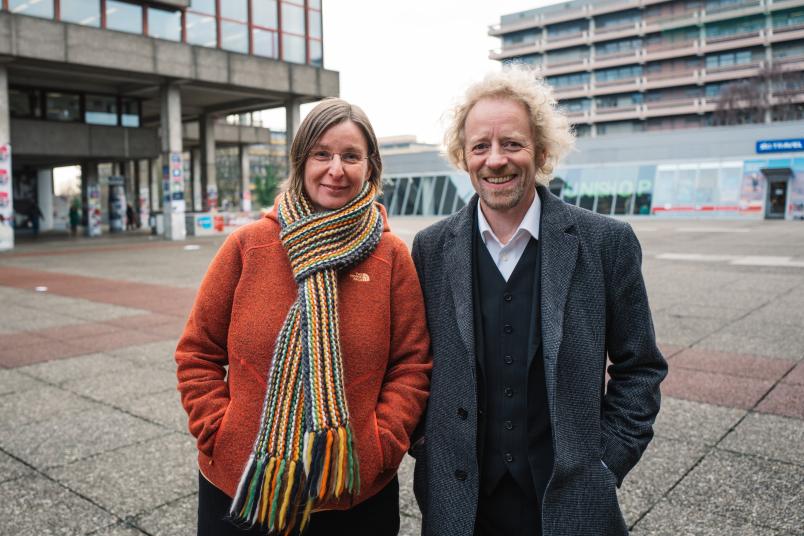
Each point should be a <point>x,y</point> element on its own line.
<point>619,82</point>
<point>550,63</point>
<point>669,45</point>
<point>617,109</point>
<point>732,37</point>
<point>670,73</point>
<point>565,37</point>
<point>731,7</point>
<point>600,56</point>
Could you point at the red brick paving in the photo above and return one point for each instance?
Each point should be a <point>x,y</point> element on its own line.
<point>713,388</point>
<point>44,350</point>
<point>76,331</point>
<point>785,399</point>
<point>796,375</point>
<point>747,366</point>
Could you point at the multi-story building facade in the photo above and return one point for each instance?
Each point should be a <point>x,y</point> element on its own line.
<point>136,92</point>
<point>630,73</point>
<point>641,65</point>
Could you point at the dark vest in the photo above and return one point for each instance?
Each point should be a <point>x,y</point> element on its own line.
<point>514,425</point>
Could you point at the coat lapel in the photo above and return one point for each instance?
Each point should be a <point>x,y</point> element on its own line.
<point>458,265</point>
<point>559,255</point>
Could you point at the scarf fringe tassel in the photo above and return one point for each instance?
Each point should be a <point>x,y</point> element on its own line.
<point>276,493</point>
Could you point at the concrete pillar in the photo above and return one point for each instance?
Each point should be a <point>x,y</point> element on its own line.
<point>172,164</point>
<point>292,120</point>
<point>245,179</point>
<point>6,190</point>
<point>44,197</point>
<point>209,178</point>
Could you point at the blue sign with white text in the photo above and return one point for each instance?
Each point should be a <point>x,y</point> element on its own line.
<point>780,146</point>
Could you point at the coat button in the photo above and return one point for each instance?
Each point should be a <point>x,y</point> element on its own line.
<point>507,296</point>
<point>508,328</point>
<point>508,392</point>
<point>508,359</point>
<point>462,413</point>
<point>509,457</point>
<point>460,475</point>
<point>508,425</point>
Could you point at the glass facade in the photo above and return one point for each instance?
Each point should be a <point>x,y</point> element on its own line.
<point>425,195</point>
<point>123,16</point>
<point>111,110</point>
<point>289,30</point>
<point>34,8</point>
<point>62,106</point>
<point>84,12</point>
<point>101,110</point>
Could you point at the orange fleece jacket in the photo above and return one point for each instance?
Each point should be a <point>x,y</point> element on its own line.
<point>239,309</point>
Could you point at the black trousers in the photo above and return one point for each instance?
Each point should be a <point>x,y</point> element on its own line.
<point>376,516</point>
<point>508,511</point>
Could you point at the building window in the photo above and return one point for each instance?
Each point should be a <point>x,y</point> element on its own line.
<point>728,59</point>
<point>84,12</point>
<point>24,103</point>
<point>315,35</point>
<point>293,32</point>
<point>618,73</point>
<point>123,17</point>
<point>164,24</point>
<point>101,110</point>
<point>264,33</point>
<point>201,24</point>
<point>62,106</point>
<point>234,25</point>
<point>34,8</point>
<point>130,112</point>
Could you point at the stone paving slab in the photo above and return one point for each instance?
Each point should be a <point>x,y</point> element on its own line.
<point>135,479</point>
<point>784,399</point>
<point>36,506</point>
<point>111,388</point>
<point>664,463</point>
<point>157,354</point>
<point>796,376</point>
<point>686,420</point>
<point>745,488</point>
<point>684,330</point>
<point>747,366</point>
<point>86,366</point>
<point>778,438</point>
<point>11,468</point>
<point>177,518</point>
<point>119,529</point>
<point>758,338</point>
<point>11,381</point>
<point>64,439</point>
<point>163,408</point>
<point>713,388</point>
<point>670,520</point>
<point>40,403</point>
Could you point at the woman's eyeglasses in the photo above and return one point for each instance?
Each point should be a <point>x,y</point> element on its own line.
<point>348,158</point>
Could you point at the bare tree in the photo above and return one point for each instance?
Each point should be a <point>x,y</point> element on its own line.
<point>773,93</point>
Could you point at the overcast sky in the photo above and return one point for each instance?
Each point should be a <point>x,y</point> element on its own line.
<point>406,61</point>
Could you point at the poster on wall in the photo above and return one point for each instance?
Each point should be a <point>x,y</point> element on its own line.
<point>93,210</point>
<point>6,199</point>
<point>117,204</point>
<point>176,183</point>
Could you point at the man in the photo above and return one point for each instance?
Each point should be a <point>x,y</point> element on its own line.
<point>526,297</point>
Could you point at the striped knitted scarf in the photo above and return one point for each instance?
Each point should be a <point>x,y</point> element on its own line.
<point>303,454</point>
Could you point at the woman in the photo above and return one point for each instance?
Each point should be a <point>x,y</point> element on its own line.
<point>318,314</point>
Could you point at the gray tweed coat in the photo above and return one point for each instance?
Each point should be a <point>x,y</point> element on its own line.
<point>593,304</point>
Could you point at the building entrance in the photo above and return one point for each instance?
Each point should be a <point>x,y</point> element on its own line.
<point>776,198</point>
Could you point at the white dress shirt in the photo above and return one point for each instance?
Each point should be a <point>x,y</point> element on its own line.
<point>506,256</point>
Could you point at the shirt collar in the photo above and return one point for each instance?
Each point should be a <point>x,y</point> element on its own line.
<point>529,223</point>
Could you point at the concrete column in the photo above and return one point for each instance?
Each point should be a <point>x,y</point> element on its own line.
<point>245,179</point>
<point>172,165</point>
<point>209,177</point>
<point>292,120</point>
<point>44,197</point>
<point>6,190</point>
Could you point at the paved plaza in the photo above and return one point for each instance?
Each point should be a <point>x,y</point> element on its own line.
<point>93,439</point>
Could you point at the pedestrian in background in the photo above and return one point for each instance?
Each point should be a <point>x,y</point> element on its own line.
<point>75,218</point>
<point>317,312</point>
<point>526,298</point>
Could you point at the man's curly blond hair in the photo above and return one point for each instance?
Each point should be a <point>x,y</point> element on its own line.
<point>551,130</point>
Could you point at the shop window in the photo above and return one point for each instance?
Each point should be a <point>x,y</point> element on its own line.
<point>34,8</point>
<point>123,17</point>
<point>84,12</point>
<point>24,103</point>
<point>164,24</point>
<point>101,110</point>
<point>62,106</point>
<point>130,112</point>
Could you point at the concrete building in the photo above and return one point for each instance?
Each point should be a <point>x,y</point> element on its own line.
<point>138,91</point>
<point>676,103</point>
